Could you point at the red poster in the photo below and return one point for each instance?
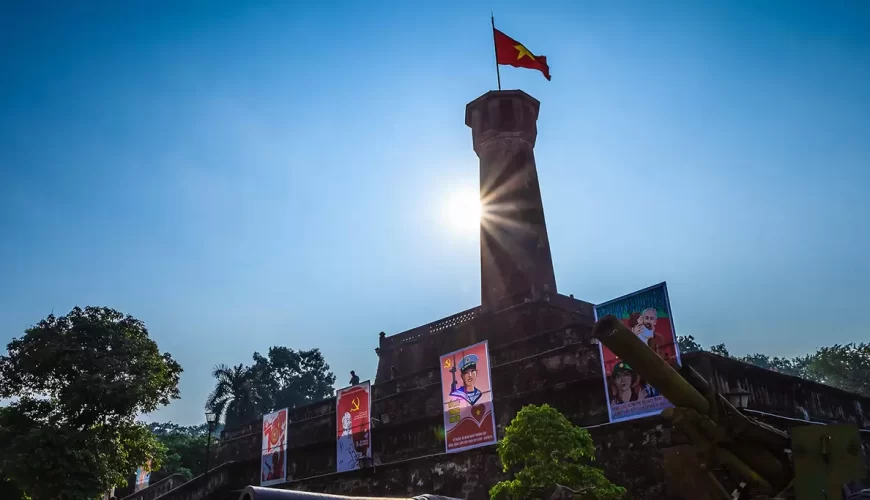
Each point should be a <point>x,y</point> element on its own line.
<point>648,314</point>
<point>469,418</point>
<point>273,467</point>
<point>353,417</point>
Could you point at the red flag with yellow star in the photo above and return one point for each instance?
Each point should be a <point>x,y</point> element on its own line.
<point>512,53</point>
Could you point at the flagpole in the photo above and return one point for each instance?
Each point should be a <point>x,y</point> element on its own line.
<point>495,46</point>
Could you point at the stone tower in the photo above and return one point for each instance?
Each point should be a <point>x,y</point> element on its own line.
<point>514,247</point>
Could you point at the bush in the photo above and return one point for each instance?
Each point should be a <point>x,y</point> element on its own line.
<point>549,452</point>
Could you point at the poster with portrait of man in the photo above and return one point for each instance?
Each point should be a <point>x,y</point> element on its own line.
<point>466,388</point>
<point>648,314</point>
<point>273,469</point>
<point>353,408</point>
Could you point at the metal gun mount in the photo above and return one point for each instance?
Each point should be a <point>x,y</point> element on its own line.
<point>259,493</point>
<point>732,454</point>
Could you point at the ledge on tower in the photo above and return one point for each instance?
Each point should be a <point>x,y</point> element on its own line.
<point>503,113</point>
<point>500,94</point>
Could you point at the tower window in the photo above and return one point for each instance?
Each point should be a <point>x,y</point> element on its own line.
<point>484,118</point>
<point>506,106</point>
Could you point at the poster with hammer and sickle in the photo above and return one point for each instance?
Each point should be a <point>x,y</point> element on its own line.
<point>272,466</point>
<point>469,418</point>
<point>352,415</point>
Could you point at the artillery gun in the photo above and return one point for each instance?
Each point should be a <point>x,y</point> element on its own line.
<point>732,455</point>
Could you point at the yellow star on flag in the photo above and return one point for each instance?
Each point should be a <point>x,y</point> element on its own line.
<point>512,53</point>
<point>523,51</point>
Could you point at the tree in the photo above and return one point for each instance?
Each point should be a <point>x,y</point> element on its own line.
<point>285,378</point>
<point>79,382</point>
<point>9,491</point>
<point>238,395</point>
<point>185,447</point>
<point>796,366</point>
<point>546,451</point>
<point>688,344</point>
<point>293,378</point>
<point>161,429</point>
<point>721,350</point>
<point>844,366</point>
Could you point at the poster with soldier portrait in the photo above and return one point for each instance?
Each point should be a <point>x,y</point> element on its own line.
<point>273,467</point>
<point>469,418</point>
<point>648,314</point>
<point>352,414</point>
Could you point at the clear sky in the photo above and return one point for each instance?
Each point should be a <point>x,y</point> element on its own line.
<point>240,176</point>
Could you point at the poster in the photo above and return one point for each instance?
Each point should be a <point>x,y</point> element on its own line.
<point>353,408</point>
<point>648,314</point>
<point>272,465</point>
<point>143,476</point>
<point>469,418</point>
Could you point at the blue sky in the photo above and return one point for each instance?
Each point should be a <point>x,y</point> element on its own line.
<point>240,176</point>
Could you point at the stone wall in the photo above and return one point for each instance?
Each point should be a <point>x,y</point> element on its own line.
<point>419,348</point>
<point>622,449</point>
<point>472,473</point>
<point>781,394</point>
<point>221,483</point>
<point>156,489</point>
<point>560,366</point>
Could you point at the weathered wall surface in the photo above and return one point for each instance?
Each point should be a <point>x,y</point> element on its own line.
<point>471,474</point>
<point>420,348</point>
<point>560,367</point>
<point>155,489</point>
<point>783,394</point>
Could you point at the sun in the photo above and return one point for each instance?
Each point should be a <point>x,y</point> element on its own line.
<point>462,210</point>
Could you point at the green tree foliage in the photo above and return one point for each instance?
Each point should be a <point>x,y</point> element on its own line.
<point>798,366</point>
<point>79,381</point>
<point>237,396</point>
<point>8,490</point>
<point>688,344</point>
<point>721,350</point>
<point>293,378</point>
<point>283,378</point>
<point>185,448</point>
<point>843,366</point>
<point>545,451</point>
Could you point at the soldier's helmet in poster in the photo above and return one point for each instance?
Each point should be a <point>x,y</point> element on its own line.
<point>468,370</point>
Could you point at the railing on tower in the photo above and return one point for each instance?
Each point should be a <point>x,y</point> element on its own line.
<point>431,328</point>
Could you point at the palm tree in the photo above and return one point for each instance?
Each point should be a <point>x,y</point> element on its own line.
<point>237,396</point>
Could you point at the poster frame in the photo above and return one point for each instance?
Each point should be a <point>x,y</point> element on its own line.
<point>282,447</point>
<point>491,398</point>
<point>679,362</point>
<point>338,394</point>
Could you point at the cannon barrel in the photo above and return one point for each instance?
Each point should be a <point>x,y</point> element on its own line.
<point>260,493</point>
<point>657,372</point>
